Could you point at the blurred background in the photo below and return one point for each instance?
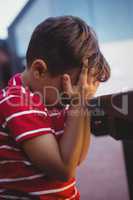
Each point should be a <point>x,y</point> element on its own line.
<point>107,172</point>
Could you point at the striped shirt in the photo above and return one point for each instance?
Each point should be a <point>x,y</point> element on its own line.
<point>24,116</point>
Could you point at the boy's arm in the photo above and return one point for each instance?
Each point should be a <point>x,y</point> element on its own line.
<point>59,160</point>
<point>86,137</point>
<point>92,86</point>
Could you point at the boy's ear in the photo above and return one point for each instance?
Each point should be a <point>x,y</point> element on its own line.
<point>39,67</point>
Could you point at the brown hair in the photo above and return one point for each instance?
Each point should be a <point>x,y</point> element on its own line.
<point>64,42</point>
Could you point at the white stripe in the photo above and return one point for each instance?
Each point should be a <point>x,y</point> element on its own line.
<point>4,124</point>
<point>22,113</point>
<point>14,82</point>
<point>15,161</point>
<point>14,197</point>
<point>33,131</point>
<point>8,97</point>
<point>3,134</point>
<point>31,94</point>
<point>23,90</point>
<point>59,132</point>
<point>46,109</point>
<point>4,93</point>
<point>9,147</point>
<point>74,195</point>
<point>2,180</point>
<point>53,114</point>
<point>53,190</point>
<point>2,190</point>
<point>11,197</point>
<point>67,107</point>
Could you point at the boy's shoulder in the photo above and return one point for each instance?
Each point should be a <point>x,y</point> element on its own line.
<point>13,88</point>
<point>18,96</point>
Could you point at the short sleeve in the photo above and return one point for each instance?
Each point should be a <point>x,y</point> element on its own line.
<point>25,120</point>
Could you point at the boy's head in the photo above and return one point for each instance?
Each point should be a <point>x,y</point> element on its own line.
<point>60,45</point>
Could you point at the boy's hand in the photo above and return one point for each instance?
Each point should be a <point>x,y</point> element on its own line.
<point>85,88</point>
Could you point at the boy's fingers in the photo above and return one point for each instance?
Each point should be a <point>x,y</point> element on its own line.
<point>67,86</point>
<point>83,76</point>
<point>90,77</point>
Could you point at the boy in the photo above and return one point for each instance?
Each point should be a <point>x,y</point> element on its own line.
<point>46,141</point>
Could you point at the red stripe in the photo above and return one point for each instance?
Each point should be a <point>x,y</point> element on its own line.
<point>21,171</point>
<point>11,155</point>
